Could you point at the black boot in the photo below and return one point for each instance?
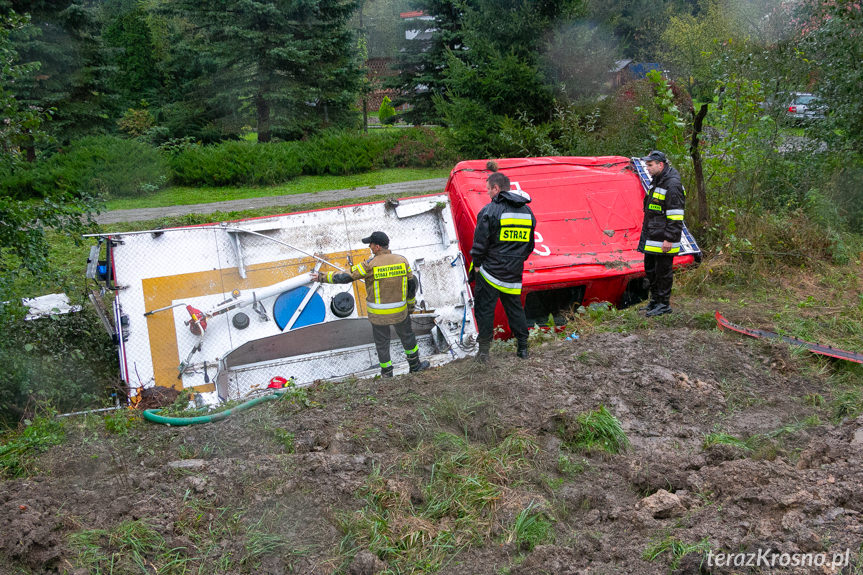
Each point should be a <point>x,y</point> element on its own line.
<point>482,354</point>
<point>659,309</point>
<point>387,371</point>
<point>521,351</point>
<point>414,363</point>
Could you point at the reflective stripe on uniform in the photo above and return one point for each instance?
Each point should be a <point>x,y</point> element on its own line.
<point>359,268</point>
<point>377,292</point>
<point>515,219</point>
<point>674,214</point>
<point>654,207</point>
<point>330,277</point>
<point>659,193</point>
<point>412,351</point>
<point>386,364</point>
<point>386,308</point>
<point>654,246</point>
<point>505,287</point>
<point>405,288</point>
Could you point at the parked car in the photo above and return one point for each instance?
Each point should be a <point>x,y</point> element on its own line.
<point>805,106</point>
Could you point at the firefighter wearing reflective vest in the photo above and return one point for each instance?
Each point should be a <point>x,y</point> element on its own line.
<point>390,289</point>
<point>661,230</point>
<point>502,241</point>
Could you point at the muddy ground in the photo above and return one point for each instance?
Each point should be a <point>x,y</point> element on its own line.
<point>294,470</point>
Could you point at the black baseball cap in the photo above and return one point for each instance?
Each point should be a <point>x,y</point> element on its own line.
<point>655,156</point>
<point>378,238</point>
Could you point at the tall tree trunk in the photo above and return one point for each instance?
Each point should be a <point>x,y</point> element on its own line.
<point>262,108</point>
<point>695,152</point>
<point>365,114</point>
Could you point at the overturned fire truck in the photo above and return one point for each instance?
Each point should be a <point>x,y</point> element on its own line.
<point>589,213</point>
<point>228,310</point>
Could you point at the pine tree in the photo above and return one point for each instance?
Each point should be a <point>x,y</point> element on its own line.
<point>283,63</point>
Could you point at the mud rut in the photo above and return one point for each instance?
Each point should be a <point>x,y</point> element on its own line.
<point>803,492</point>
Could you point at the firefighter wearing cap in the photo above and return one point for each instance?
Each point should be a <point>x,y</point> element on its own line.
<point>390,289</point>
<point>502,241</point>
<point>661,230</point>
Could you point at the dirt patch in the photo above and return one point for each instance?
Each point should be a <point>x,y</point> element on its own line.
<point>277,489</point>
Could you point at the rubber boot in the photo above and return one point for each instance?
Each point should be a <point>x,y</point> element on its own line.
<point>650,306</point>
<point>660,309</point>
<point>521,351</point>
<point>414,363</point>
<point>482,354</point>
<point>387,371</point>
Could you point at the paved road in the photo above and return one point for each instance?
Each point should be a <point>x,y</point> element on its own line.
<point>402,189</point>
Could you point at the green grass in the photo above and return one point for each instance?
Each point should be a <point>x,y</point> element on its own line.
<point>129,548</point>
<point>595,430</point>
<point>461,498</point>
<point>19,448</point>
<point>675,548</point>
<point>179,195</point>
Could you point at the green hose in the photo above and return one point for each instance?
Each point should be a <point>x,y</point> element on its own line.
<point>153,414</point>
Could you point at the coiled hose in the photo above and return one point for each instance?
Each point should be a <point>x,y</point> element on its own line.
<point>153,414</point>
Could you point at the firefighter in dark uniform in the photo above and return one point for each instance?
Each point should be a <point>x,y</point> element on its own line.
<point>661,230</point>
<point>390,289</point>
<point>502,241</point>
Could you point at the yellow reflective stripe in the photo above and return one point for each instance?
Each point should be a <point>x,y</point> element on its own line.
<point>412,351</point>
<point>387,364</point>
<point>391,271</point>
<point>412,301</point>
<point>330,277</point>
<point>505,287</point>
<point>515,222</point>
<point>654,207</point>
<point>377,292</point>
<point>359,268</point>
<point>403,306</point>
<point>672,217</point>
<point>405,287</point>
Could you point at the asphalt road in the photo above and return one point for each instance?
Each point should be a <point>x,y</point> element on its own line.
<point>402,189</point>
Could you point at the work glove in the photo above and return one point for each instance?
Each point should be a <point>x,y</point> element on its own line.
<point>471,275</point>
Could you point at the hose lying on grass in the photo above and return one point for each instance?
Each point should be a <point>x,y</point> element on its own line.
<point>153,414</point>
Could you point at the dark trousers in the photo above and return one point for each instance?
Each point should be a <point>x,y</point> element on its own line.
<point>382,338</point>
<point>660,274</point>
<point>485,300</point>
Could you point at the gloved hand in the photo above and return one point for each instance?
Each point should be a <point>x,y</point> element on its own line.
<point>471,275</point>
<point>316,276</point>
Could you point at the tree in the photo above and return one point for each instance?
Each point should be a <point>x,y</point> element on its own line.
<point>75,71</point>
<point>23,224</point>
<point>421,63</point>
<point>833,37</point>
<point>279,61</point>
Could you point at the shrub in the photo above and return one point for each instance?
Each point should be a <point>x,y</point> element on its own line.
<point>136,122</point>
<point>98,166</point>
<point>235,163</point>
<point>66,361</point>
<point>386,113</point>
<point>419,148</point>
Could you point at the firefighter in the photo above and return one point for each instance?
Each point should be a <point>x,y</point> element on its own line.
<point>502,241</point>
<point>390,289</point>
<point>661,230</point>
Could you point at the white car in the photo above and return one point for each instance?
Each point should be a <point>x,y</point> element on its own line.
<point>805,106</point>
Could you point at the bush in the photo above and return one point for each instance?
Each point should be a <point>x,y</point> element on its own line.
<point>333,152</point>
<point>386,113</point>
<point>98,166</point>
<point>419,148</point>
<point>66,361</point>
<point>235,163</point>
